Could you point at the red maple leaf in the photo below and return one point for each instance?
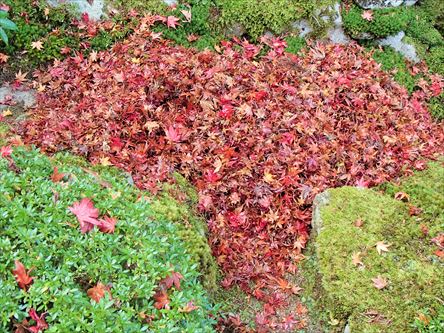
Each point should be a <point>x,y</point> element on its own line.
<point>161,299</point>
<point>107,225</point>
<point>56,176</point>
<point>5,151</point>
<point>172,22</point>
<point>173,279</point>
<point>40,325</point>
<point>97,292</point>
<point>173,134</point>
<point>21,275</point>
<point>86,214</point>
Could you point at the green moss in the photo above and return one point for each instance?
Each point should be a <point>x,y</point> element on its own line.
<point>385,22</point>
<point>259,16</point>
<point>414,274</point>
<point>295,44</point>
<point>435,59</point>
<point>145,6</point>
<point>436,107</point>
<point>393,61</point>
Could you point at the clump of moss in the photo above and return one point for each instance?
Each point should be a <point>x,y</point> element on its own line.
<point>412,271</point>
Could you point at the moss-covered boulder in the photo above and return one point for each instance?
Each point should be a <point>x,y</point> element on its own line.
<point>375,264</point>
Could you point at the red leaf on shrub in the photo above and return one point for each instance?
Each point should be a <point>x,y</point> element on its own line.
<point>86,214</point>
<point>173,279</point>
<point>41,324</point>
<point>107,225</point>
<point>97,292</point>
<point>161,299</point>
<point>5,151</point>
<point>56,176</point>
<point>189,307</point>
<point>21,275</point>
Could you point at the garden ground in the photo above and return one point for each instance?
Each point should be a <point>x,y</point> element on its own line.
<point>258,132</point>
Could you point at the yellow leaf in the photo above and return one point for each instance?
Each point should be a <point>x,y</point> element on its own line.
<point>7,113</point>
<point>268,177</point>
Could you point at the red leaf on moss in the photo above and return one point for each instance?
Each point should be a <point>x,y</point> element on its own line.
<point>5,151</point>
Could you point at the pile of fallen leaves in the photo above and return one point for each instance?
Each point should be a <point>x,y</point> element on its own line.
<point>259,137</point>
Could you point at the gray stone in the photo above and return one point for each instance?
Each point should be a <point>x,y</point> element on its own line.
<point>347,329</point>
<point>377,4</point>
<point>235,30</point>
<point>22,97</point>
<point>397,42</point>
<point>320,201</point>
<point>336,34</point>
<point>303,26</point>
<point>95,10</point>
<point>170,2</point>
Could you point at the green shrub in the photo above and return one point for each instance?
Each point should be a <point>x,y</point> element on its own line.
<point>37,228</point>
<point>423,30</point>
<point>6,25</point>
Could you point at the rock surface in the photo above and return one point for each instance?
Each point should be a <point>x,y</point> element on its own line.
<point>377,4</point>
<point>10,97</point>
<point>320,201</point>
<point>336,34</point>
<point>397,42</point>
<point>95,9</point>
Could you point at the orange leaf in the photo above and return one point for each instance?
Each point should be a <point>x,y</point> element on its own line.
<point>161,300</point>
<point>56,176</point>
<point>21,275</point>
<point>98,292</point>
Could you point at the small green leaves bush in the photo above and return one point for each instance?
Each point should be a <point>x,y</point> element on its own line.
<point>436,107</point>
<point>37,228</point>
<point>6,25</point>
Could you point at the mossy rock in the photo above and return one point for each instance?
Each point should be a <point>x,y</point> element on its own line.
<point>342,291</point>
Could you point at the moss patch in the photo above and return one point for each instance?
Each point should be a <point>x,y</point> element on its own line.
<point>413,272</point>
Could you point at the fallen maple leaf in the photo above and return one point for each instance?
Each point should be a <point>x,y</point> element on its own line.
<point>173,134</point>
<point>5,151</point>
<point>382,247</point>
<point>359,223</point>
<point>21,77</point>
<point>380,282</point>
<point>187,15</point>
<point>189,307</point>
<point>107,225</point>
<point>161,300</point>
<point>97,292</point>
<point>402,196</point>
<point>38,45</point>
<point>356,259</point>
<point>86,214</point>
<point>22,276</point>
<point>172,22</point>
<point>173,279</point>
<point>3,58</point>
<point>40,325</point>
<point>56,176</point>
<point>367,15</point>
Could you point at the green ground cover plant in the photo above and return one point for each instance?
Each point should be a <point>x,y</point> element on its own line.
<point>154,238</point>
<point>398,287</point>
